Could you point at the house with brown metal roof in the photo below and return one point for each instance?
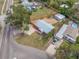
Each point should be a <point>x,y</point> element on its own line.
<point>72,32</point>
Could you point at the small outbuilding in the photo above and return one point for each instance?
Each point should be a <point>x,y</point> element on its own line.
<point>59,17</point>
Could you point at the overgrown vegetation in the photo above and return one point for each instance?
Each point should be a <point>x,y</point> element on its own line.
<point>68,51</point>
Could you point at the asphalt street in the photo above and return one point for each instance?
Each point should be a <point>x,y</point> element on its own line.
<point>11,50</point>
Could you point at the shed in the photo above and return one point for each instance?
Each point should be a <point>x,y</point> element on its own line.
<point>43,26</point>
<point>61,32</point>
<point>59,17</point>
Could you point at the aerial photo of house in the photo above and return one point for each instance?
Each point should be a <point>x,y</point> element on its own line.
<point>39,29</point>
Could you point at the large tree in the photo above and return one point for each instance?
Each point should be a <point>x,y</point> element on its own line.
<point>20,17</point>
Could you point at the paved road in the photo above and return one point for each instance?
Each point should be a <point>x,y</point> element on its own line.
<point>2,18</point>
<point>10,49</point>
<point>4,46</point>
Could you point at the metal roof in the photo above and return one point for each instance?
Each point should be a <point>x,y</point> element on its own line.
<point>44,26</point>
<point>59,17</point>
<point>72,30</point>
<point>61,31</point>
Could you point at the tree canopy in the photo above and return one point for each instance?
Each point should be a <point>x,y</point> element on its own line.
<point>20,17</point>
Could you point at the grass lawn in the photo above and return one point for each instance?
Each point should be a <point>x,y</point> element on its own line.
<point>33,40</point>
<point>41,13</point>
<point>1,4</point>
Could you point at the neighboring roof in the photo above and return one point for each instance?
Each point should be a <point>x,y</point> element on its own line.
<point>61,31</point>
<point>29,5</point>
<point>26,3</point>
<point>72,30</point>
<point>59,17</point>
<point>44,26</point>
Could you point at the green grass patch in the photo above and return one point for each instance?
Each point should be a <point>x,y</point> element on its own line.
<point>33,40</point>
<point>41,13</point>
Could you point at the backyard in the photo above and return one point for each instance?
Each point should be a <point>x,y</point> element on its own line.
<point>41,13</point>
<point>1,4</point>
<point>34,40</point>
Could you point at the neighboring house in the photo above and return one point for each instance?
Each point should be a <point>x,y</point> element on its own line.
<point>43,26</point>
<point>71,32</point>
<point>59,35</point>
<point>68,32</point>
<point>59,17</point>
<point>30,5</point>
